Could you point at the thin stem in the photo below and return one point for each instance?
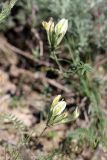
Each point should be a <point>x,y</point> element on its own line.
<point>5,154</point>
<point>56,59</point>
<point>43,131</point>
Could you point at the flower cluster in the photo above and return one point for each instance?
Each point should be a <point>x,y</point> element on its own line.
<point>55,33</point>
<point>57,114</point>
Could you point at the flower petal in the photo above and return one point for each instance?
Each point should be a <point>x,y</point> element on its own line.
<point>59,108</point>
<point>55,101</point>
<point>62,26</point>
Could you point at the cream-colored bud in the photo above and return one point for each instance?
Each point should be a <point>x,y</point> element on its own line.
<point>76,113</point>
<point>55,101</point>
<point>59,108</point>
<point>48,26</point>
<point>62,26</point>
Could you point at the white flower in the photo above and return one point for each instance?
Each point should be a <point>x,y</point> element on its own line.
<point>59,108</point>
<point>61,27</point>
<point>55,101</point>
<point>57,115</point>
<point>55,34</point>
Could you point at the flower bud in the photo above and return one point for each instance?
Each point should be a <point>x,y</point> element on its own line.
<point>57,115</point>
<point>48,26</point>
<point>59,108</point>
<point>56,33</point>
<point>61,27</point>
<point>55,101</point>
<point>76,113</point>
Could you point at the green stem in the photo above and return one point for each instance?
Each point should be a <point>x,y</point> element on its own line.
<point>56,59</point>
